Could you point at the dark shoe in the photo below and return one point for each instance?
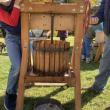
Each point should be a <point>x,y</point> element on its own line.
<point>10,101</point>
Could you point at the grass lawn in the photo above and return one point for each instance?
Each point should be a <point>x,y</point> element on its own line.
<point>1,39</point>
<point>64,94</point>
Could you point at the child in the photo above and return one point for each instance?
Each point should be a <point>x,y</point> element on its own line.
<point>87,41</point>
<point>103,15</point>
<point>62,35</point>
<point>10,22</point>
<point>89,36</point>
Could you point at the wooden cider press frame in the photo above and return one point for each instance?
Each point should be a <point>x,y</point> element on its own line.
<point>51,57</point>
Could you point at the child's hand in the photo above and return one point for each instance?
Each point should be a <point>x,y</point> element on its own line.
<point>94,20</point>
<point>18,2</point>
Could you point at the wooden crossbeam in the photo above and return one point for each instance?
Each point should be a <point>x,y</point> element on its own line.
<point>53,8</point>
<point>49,79</point>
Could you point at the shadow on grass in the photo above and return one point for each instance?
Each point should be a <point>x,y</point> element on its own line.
<point>30,101</point>
<point>91,66</point>
<point>55,92</point>
<point>86,97</point>
<point>108,108</point>
<point>2,103</point>
<point>4,54</point>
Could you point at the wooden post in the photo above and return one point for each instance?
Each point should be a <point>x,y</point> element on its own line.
<point>99,52</point>
<point>77,53</point>
<point>24,61</point>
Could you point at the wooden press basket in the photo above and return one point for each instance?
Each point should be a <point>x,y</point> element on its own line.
<point>50,59</point>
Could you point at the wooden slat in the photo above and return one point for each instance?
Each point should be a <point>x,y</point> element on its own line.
<point>66,56</point>
<point>47,56</point>
<point>52,59</point>
<point>49,84</point>
<point>42,56</point>
<point>37,60</point>
<point>29,62</point>
<point>61,53</point>
<point>48,79</point>
<point>57,60</point>
<point>34,57</point>
<point>53,8</point>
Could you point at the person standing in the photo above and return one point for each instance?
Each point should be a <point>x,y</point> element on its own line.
<point>87,41</point>
<point>103,15</point>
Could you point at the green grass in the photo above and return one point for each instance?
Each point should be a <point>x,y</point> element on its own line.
<point>1,39</point>
<point>64,94</point>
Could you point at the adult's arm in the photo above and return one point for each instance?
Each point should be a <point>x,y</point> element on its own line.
<point>100,13</point>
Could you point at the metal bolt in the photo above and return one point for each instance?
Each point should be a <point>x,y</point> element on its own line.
<point>81,6</point>
<point>30,8</point>
<point>22,5</point>
<point>77,48</point>
<point>81,11</point>
<point>74,10</point>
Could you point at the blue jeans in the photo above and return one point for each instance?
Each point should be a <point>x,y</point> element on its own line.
<point>13,45</point>
<point>86,47</point>
<point>104,68</point>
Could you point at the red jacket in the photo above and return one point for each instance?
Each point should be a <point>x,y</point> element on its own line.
<point>10,18</point>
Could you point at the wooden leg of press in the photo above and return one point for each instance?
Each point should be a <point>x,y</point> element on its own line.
<point>98,53</point>
<point>77,96</point>
<point>20,97</point>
